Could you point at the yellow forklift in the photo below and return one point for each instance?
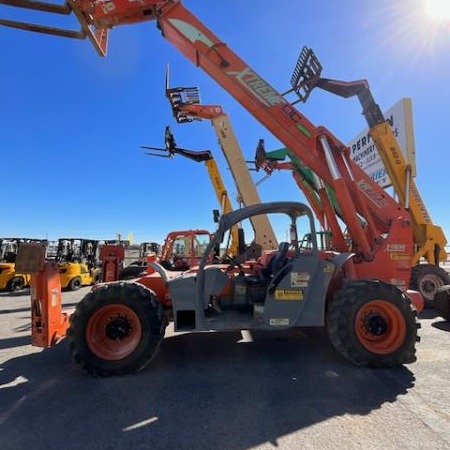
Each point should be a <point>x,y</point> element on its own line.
<point>10,280</point>
<point>78,263</point>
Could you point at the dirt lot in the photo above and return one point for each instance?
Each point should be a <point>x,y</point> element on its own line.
<point>222,391</point>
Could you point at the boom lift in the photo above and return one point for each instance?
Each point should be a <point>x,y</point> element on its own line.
<point>359,296</point>
<point>205,156</point>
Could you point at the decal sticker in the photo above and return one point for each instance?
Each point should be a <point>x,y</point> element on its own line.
<point>54,298</point>
<point>258,87</point>
<point>396,248</point>
<point>372,194</point>
<point>279,322</point>
<point>300,279</point>
<point>240,289</point>
<point>400,256</point>
<point>284,294</point>
<point>190,32</point>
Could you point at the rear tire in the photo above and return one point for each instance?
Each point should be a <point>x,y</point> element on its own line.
<point>427,279</point>
<point>15,284</point>
<point>373,324</point>
<point>116,329</point>
<point>442,302</point>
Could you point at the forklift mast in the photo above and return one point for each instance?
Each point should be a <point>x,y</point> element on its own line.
<point>77,250</point>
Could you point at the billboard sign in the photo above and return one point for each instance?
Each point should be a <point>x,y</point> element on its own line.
<point>364,153</point>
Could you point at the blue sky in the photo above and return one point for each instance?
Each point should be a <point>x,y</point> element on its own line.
<point>71,123</point>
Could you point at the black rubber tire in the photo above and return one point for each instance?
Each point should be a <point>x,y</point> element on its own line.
<point>427,278</point>
<point>131,272</point>
<point>75,284</point>
<point>341,323</point>
<point>442,302</point>
<point>152,321</point>
<point>15,284</point>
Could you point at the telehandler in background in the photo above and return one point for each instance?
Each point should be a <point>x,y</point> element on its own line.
<point>139,265</point>
<point>180,251</point>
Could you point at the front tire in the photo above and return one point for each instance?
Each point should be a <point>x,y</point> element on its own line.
<point>427,279</point>
<point>373,324</point>
<point>116,329</point>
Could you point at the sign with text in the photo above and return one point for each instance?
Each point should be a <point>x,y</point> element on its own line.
<point>363,150</point>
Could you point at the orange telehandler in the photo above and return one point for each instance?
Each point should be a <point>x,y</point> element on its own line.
<point>180,251</point>
<point>358,291</point>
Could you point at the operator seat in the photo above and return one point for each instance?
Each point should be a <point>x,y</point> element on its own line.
<point>275,264</point>
<point>257,284</point>
<point>278,261</point>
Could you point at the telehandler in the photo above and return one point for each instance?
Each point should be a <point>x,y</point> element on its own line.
<point>181,250</point>
<point>359,296</point>
<point>139,265</point>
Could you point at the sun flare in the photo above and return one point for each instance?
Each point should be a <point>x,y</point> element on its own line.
<point>438,9</point>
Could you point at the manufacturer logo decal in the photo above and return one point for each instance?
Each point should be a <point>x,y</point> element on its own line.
<point>285,294</point>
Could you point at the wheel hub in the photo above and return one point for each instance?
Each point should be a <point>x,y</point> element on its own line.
<point>118,328</point>
<point>375,324</point>
<point>429,286</point>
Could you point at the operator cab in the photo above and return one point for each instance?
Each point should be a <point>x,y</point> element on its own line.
<point>254,289</point>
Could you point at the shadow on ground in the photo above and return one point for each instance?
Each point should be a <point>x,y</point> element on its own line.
<point>443,325</point>
<point>206,390</point>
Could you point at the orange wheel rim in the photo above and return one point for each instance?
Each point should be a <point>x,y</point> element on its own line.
<point>114,332</point>
<point>380,327</point>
